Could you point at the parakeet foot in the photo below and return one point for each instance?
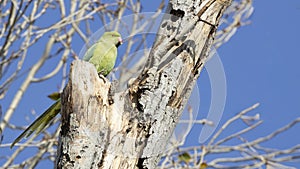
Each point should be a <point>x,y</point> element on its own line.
<point>102,77</point>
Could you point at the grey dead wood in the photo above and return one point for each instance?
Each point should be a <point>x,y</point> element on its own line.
<point>129,129</point>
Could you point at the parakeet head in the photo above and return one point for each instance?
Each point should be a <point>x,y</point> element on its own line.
<point>114,37</point>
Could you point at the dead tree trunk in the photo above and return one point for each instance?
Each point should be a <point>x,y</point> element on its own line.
<point>104,129</point>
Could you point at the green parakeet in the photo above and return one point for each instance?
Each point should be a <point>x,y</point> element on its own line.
<point>103,56</point>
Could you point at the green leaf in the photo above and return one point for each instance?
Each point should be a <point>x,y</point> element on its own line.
<point>185,157</point>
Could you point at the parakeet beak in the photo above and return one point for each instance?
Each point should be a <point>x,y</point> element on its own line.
<point>120,42</point>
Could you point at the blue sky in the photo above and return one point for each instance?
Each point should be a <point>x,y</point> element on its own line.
<point>261,63</point>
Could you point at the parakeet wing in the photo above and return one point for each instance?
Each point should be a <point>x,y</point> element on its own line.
<point>89,53</point>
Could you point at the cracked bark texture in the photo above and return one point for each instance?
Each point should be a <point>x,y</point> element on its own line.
<point>129,129</point>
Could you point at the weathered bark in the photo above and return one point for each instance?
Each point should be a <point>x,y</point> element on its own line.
<point>104,129</point>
